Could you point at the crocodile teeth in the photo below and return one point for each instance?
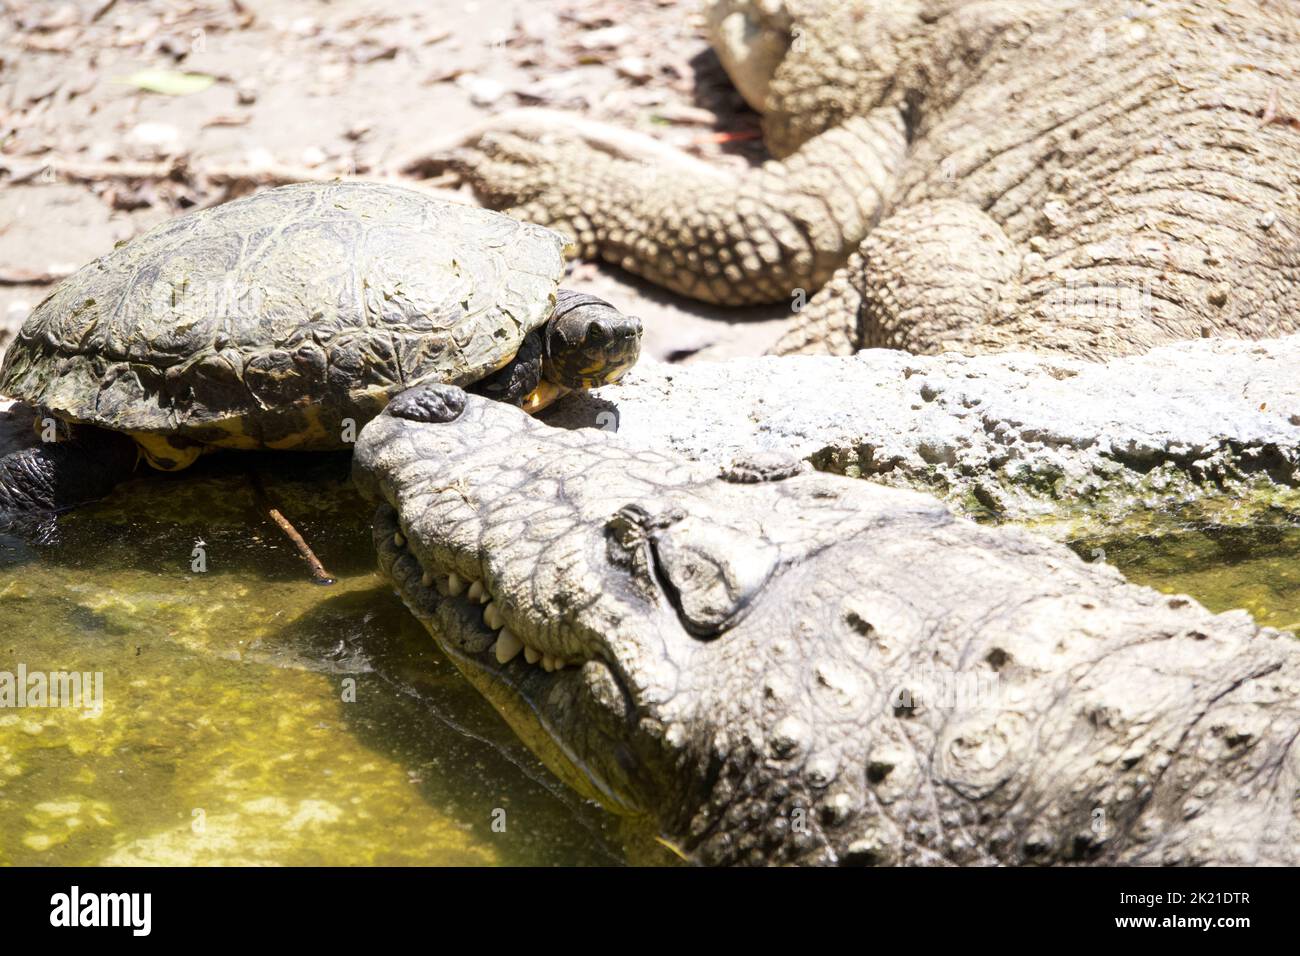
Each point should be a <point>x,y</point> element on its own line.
<point>455,584</point>
<point>475,591</point>
<point>398,539</point>
<point>508,646</point>
<point>531,654</point>
<point>427,579</point>
<point>492,616</point>
<point>548,663</point>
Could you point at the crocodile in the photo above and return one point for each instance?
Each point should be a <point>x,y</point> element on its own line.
<point>1092,177</point>
<point>769,665</point>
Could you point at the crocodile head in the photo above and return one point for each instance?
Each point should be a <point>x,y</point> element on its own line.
<point>777,666</point>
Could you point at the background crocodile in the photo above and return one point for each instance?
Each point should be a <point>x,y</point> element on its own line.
<point>776,666</point>
<point>1092,177</point>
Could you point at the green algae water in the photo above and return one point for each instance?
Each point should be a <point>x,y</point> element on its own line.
<point>1255,567</point>
<point>250,716</point>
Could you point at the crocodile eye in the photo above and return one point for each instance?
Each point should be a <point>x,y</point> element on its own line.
<point>712,574</point>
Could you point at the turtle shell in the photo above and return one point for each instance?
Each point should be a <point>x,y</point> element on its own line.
<point>272,320</point>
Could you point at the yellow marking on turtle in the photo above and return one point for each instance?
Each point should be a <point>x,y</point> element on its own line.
<point>175,452</point>
<point>544,394</point>
<point>167,452</point>
<point>234,434</point>
<point>313,433</point>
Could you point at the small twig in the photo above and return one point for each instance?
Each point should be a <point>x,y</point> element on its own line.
<point>87,171</point>
<point>1270,107</point>
<point>1272,114</point>
<point>318,573</point>
<point>732,136</point>
<point>19,276</point>
<point>102,9</point>
<point>76,170</point>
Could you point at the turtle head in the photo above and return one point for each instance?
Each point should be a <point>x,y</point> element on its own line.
<point>588,342</point>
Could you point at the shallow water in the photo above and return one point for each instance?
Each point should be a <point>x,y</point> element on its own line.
<point>1254,567</point>
<point>250,716</point>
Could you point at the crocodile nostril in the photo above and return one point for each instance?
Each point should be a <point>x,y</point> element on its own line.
<point>429,403</point>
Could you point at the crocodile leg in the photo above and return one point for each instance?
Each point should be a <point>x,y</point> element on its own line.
<point>937,275</point>
<point>830,323</point>
<point>763,236</point>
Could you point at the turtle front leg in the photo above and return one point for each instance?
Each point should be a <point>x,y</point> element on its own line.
<point>758,237</point>
<point>39,477</point>
<point>513,382</point>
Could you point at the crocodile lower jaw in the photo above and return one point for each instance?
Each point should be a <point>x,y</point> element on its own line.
<point>522,687</point>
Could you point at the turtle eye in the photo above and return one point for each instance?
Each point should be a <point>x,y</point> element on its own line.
<point>597,333</point>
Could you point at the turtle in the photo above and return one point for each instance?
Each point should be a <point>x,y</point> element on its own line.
<point>286,320</point>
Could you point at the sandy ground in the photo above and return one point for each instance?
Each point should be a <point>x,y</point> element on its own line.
<point>98,142</point>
